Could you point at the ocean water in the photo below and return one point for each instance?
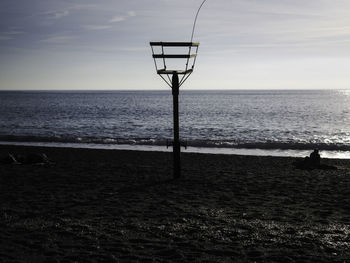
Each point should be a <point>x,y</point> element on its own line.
<point>223,121</point>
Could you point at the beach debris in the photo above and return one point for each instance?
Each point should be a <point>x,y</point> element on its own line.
<point>31,158</point>
<point>37,158</point>
<point>9,159</point>
<point>313,162</point>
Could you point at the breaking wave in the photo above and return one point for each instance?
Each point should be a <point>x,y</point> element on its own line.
<point>189,143</point>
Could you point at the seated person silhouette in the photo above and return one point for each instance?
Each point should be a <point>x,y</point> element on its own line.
<point>309,162</point>
<point>313,162</point>
<point>315,159</point>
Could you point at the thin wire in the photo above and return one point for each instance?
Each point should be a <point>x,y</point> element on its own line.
<point>195,20</point>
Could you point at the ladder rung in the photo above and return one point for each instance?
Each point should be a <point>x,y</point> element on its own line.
<point>175,44</point>
<point>180,72</point>
<point>174,56</point>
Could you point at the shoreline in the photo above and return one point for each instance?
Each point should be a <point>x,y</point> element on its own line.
<point>204,150</point>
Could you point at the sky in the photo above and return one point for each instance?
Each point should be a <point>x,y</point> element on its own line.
<point>244,44</point>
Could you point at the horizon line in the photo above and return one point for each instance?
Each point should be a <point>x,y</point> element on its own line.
<point>167,89</point>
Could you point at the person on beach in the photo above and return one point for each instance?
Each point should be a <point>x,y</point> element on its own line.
<point>310,162</point>
<point>315,158</point>
<point>313,162</point>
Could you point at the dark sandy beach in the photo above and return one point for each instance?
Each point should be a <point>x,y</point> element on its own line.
<point>123,206</point>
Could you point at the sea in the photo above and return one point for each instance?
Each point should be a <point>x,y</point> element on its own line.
<point>251,122</point>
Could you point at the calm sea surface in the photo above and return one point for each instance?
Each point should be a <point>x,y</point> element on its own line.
<point>292,120</point>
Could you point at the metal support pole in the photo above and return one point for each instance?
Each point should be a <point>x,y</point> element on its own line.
<point>176,144</point>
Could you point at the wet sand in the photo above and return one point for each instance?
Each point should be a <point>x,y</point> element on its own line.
<point>124,206</point>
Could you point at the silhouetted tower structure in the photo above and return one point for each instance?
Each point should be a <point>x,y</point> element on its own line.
<point>174,62</point>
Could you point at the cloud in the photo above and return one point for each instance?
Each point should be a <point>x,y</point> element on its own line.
<point>131,13</point>
<point>117,19</point>
<point>59,39</point>
<point>59,15</point>
<point>83,6</point>
<point>120,18</point>
<point>56,14</point>
<point>97,27</point>
<point>4,36</point>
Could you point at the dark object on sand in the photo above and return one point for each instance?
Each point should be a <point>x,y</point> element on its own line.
<point>313,162</point>
<point>9,159</point>
<point>31,158</point>
<point>315,158</point>
<point>36,158</point>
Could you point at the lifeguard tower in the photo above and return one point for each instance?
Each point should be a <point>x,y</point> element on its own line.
<point>174,62</point>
